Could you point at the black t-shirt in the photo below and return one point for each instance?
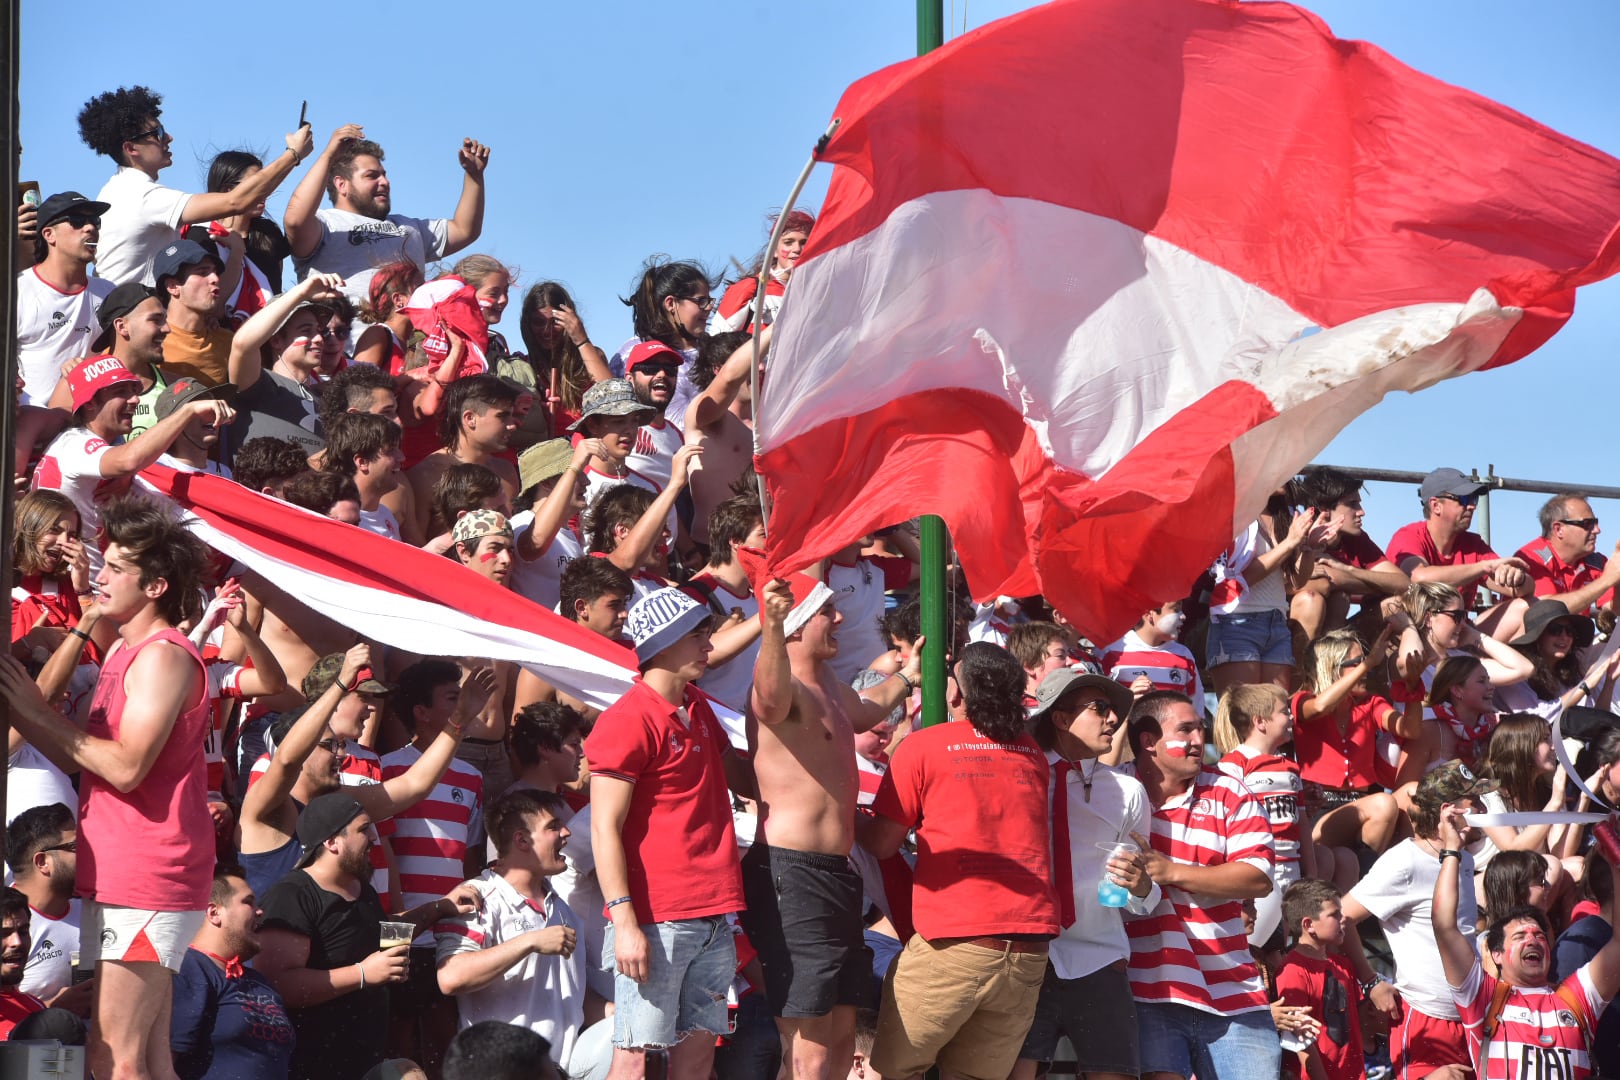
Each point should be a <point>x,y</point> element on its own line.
<point>342,1038</point>
<point>276,406</point>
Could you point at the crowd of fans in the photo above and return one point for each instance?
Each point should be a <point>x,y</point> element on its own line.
<point>1230,844</point>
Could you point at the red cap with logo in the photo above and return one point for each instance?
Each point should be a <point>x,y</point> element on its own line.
<point>647,352</point>
<point>95,375</point>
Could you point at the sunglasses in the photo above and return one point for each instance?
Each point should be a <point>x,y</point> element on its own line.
<point>78,220</point>
<point>658,367</point>
<point>1460,500</point>
<point>70,847</point>
<point>1454,614</point>
<point>1585,524</point>
<point>157,133</point>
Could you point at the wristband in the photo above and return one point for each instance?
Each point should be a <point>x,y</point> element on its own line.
<point>362,968</point>
<point>1368,986</point>
<point>1585,690</point>
<point>611,904</point>
<point>910,686</point>
<point>1452,852</point>
<point>76,632</point>
<point>582,344</point>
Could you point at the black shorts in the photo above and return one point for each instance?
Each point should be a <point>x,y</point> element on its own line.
<point>1098,1015</point>
<point>804,918</point>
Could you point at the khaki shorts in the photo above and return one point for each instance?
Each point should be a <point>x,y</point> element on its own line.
<point>133,936</point>
<point>961,1006</point>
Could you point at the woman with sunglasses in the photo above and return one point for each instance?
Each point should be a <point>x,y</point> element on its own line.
<point>671,303</point>
<point>1552,642</point>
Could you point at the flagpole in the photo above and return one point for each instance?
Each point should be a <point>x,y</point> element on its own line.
<point>758,318</point>
<point>10,48</point>
<point>933,540</point>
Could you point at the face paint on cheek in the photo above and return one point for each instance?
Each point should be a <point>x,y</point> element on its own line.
<point>487,556</point>
<point>298,343</point>
<point>1178,748</point>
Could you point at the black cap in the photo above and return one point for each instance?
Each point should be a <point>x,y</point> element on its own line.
<point>117,304</point>
<point>172,260</point>
<point>63,203</point>
<point>181,391</point>
<point>324,817</point>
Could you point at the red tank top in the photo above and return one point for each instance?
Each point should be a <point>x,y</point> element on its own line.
<point>154,847</point>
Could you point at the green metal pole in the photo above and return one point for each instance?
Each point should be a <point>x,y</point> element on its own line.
<point>934,541</point>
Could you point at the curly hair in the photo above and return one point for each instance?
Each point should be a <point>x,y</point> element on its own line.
<point>108,120</point>
<point>992,684</point>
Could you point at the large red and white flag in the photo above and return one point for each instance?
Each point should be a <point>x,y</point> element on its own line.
<point>1090,282</point>
<point>391,592</point>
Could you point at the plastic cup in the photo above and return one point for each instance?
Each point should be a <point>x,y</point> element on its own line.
<point>396,933</point>
<point>1110,893</point>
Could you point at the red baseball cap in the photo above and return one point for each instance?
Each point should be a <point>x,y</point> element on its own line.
<point>96,374</point>
<point>648,351</point>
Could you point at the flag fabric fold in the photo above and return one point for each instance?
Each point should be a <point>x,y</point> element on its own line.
<point>390,592</point>
<point>1091,281</point>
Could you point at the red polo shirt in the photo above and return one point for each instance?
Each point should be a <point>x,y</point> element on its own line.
<point>1335,759</point>
<point>1553,575</point>
<point>680,850</point>
<point>1414,539</point>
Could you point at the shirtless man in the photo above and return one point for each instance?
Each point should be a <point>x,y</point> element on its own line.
<point>483,544</point>
<point>721,418</point>
<point>804,897</point>
<point>475,426</point>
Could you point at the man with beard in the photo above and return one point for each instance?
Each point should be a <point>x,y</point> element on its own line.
<point>195,446</point>
<point>14,941</point>
<point>91,461</point>
<point>651,368</point>
<point>56,296</point>
<point>40,849</point>
<point>229,1022</point>
<point>134,325</point>
<point>359,233</point>
<point>365,446</point>
<point>518,961</point>
<point>1519,1024</point>
<point>321,927</point>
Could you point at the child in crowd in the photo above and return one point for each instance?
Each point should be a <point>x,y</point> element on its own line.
<point>1315,974</point>
<point>1150,658</point>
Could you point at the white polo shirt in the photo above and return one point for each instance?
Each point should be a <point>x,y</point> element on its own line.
<point>545,994</point>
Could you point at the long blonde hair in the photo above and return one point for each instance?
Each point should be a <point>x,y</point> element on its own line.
<point>1325,659</point>
<point>1423,599</point>
<point>1240,706</point>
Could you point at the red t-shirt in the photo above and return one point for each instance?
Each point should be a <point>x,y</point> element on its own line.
<point>1553,575</point>
<point>14,1006</point>
<point>1335,759</point>
<point>680,849</point>
<point>1358,551</point>
<point>1329,987</point>
<point>1414,540</point>
<point>983,863</point>
<point>153,847</point>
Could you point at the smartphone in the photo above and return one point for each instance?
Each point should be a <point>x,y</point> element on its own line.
<point>28,193</point>
<point>302,110</point>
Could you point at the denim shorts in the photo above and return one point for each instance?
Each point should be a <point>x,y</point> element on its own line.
<point>1249,637</point>
<point>1187,1041</point>
<point>690,967</point>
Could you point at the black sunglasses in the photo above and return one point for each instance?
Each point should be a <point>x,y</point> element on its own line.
<point>158,132</point>
<point>1460,500</point>
<point>1585,524</point>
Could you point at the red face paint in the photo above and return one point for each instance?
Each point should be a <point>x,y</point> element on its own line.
<point>487,556</point>
<point>1178,748</point>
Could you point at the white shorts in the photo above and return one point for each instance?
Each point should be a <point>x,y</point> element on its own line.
<point>134,936</point>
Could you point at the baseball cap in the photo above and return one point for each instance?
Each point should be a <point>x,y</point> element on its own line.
<point>1057,683</point>
<point>660,619</point>
<point>611,397</point>
<point>542,461</point>
<point>647,352</point>
<point>325,672</point>
<point>324,817</point>
<point>63,203</point>
<point>1448,783</point>
<point>186,390</point>
<point>172,260</point>
<point>1449,482</point>
<point>476,523</point>
<point>95,375</point>
<point>117,304</point>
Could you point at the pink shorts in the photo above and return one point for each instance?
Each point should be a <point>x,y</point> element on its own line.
<point>133,936</point>
<point>1421,1044</point>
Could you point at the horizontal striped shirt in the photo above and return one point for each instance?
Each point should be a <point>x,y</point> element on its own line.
<point>1537,1036</point>
<point>1169,666</point>
<point>1192,950</point>
<point>430,839</point>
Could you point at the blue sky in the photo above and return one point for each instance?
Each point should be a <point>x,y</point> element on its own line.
<point>624,129</point>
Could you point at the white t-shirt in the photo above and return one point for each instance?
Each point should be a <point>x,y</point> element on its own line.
<point>51,945</point>
<point>1399,892</point>
<point>859,593</point>
<point>72,465</point>
<point>53,327</point>
<point>354,246</point>
<point>654,452</point>
<point>32,780</point>
<point>729,682</point>
<point>142,217</point>
<point>579,887</point>
<point>380,521</point>
<point>540,579</point>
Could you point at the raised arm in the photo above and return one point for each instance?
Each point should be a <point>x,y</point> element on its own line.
<point>410,787</point>
<point>639,542</point>
<point>468,222</point>
<point>876,702</point>
<point>771,698</point>
<point>213,205</point>
<point>265,800</point>
<point>247,361</point>
<point>303,229</point>
<point>1331,698</point>
<point>553,514</point>
<point>127,459</point>
<point>1505,664</point>
<point>1457,954</point>
<point>1605,967</point>
<point>708,407</point>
